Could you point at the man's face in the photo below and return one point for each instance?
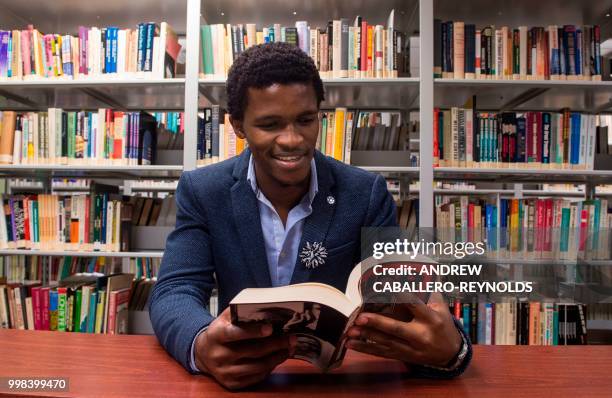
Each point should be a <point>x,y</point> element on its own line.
<point>281,125</point>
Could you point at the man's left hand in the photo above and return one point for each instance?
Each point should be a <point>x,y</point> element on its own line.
<point>430,338</point>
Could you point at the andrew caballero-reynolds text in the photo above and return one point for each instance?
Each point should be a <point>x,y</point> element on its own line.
<point>416,278</point>
<point>445,270</point>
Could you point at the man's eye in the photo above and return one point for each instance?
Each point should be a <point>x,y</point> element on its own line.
<point>307,120</point>
<point>268,126</point>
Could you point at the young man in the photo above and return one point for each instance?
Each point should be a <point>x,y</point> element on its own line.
<point>243,222</point>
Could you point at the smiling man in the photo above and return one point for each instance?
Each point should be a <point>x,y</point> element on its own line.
<point>244,221</point>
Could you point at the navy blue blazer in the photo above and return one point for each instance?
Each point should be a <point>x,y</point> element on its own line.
<point>218,235</point>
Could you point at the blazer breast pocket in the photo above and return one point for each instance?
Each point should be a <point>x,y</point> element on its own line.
<point>345,248</point>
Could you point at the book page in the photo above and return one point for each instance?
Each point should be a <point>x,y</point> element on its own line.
<point>318,328</point>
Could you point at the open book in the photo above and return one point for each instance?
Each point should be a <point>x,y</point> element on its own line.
<point>320,315</point>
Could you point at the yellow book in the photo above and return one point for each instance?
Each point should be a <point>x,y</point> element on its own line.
<point>260,38</point>
<point>58,55</point>
<point>100,311</point>
<point>330,134</point>
<point>38,59</point>
<point>370,60</point>
<point>338,144</point>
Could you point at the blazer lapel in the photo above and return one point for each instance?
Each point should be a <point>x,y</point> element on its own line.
<point>248,223</point>
<point>317,223</point>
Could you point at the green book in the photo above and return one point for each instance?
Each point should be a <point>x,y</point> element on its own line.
<point>77,311</point>
<point>323,133</point>
<point>207,50</point>
<point>565,221</point>
<point>35,232</point>
<point>91,314</point>
<point>71,134</point>
<point>556,325</point>
<point>61,309</point>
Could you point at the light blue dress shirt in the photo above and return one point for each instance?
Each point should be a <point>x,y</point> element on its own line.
<point>282,242</point>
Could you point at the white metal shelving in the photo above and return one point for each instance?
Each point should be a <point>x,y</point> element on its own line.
<point>191,92</point>
<point>82,253</point>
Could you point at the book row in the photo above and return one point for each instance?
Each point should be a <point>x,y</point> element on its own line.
<point>153,211</point>
<point>568,52</point>
<point>149,50</point>
<point>85,303</point>
<point>339,50</point>
<point>340,131</point>
<point>217,140</point>
<point>543,228</point>
<point>519,322</point>
<point>102,137</point>
<point>27,269</point>
<point>467,138</point>
<point>98,221</point>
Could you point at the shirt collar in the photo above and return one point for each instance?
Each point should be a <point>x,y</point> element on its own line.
<point>314,182</point>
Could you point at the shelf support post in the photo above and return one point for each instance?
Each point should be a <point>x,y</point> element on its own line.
<point>191,84</point>
<point>426,104</point>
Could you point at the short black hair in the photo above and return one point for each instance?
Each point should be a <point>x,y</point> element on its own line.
<point>263,65</point>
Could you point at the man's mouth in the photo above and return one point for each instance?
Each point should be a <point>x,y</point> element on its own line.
<point>288,158</point>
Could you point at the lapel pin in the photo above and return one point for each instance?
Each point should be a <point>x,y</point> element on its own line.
<point>331,200</point>
<point>313,255</point>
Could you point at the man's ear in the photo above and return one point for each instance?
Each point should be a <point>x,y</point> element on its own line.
<point>238,127</point>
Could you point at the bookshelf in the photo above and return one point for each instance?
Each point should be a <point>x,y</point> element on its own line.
<point>82,253</point>
<point>190,93</point>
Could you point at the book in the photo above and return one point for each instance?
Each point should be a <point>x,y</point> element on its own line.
<point>318,314</point>
<point>567,52</point>
<point>150,50</point>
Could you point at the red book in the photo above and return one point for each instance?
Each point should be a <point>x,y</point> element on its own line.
<point>540,212</point>
<point>539,137</point>
<point>36,308</point>
<point>493,342</point>
<point>457,309</point>
<point>370,62</point>
<point>26,218</point>
<point>117,302</point>
<point>364,46</point>
<point>44,307</point>
<point>87,218</point>
<point>549,225</point>
<point>436,128</point>
<point>529,145</point>
<point>584,222</point>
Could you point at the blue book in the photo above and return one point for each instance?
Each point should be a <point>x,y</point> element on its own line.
<point>104,211</point>
<point>575,138</point>
<point>142,37</point>
<point>503,221</point>
<point>521,139</point>
<point>107,49</point>
<point>578,51</point>
<point>566,55</point>
<point>466,319</point>
<point>151,30</point>
<point>9,51</point>
<point>546,134</point>
<point>481,323</point>
<point>216,120</point>
<point>53,309</point>
<point>5,61</point>
<point>113,32</point>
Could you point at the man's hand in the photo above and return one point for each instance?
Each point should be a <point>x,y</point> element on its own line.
<point>239,356</point>
<point>430,338</point>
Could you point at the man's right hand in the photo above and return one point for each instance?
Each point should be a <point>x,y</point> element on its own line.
<point>239,356</point>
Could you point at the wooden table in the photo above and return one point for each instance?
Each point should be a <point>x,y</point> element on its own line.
<point>137,366</point>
